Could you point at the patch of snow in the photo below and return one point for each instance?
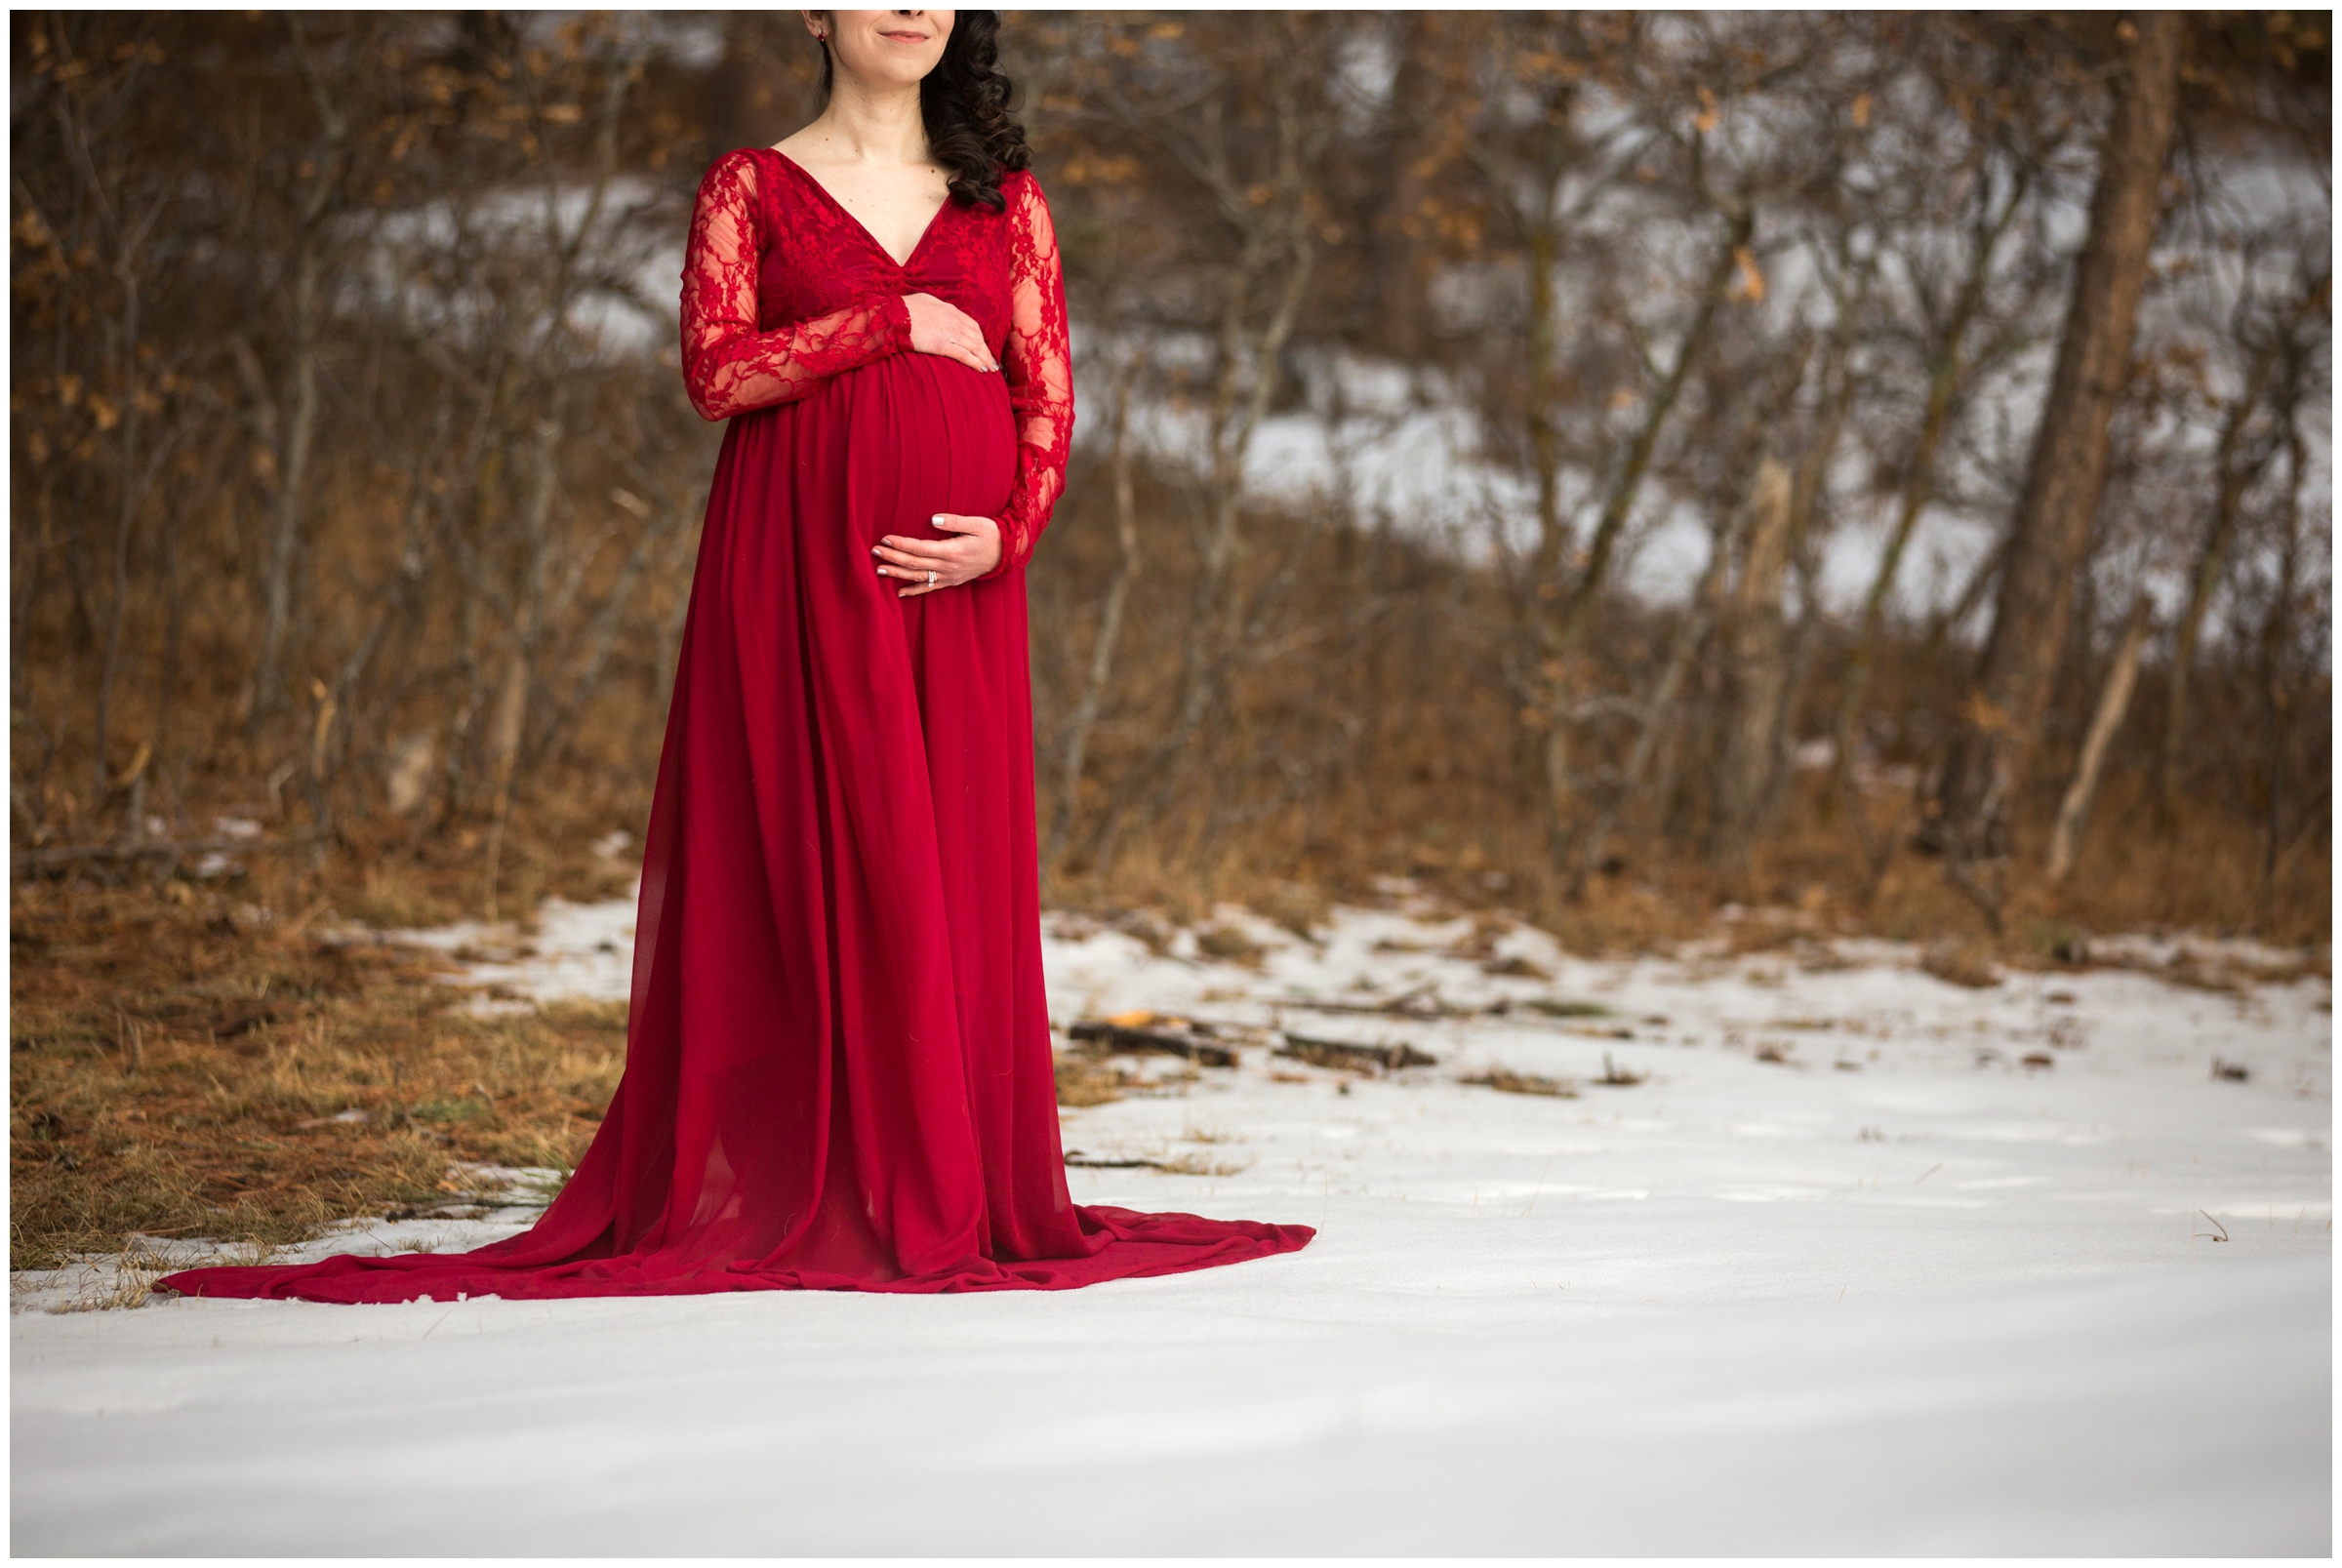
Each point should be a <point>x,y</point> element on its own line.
<point>2162,951</point>
<point>1892,1292</point>
<point>583,951</point>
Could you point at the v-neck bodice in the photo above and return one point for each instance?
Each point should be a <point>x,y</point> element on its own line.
<point>818,257</point>
<point>832,196</point>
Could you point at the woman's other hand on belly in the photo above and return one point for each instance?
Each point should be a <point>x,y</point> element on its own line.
<point>939,326</point>
<point>924,565</point>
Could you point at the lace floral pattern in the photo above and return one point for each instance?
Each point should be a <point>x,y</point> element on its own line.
<point>1039,365</point>
<point>731,365</point>
<point>784,289</point>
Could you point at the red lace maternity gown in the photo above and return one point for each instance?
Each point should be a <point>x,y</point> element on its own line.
<point>839,1068</point>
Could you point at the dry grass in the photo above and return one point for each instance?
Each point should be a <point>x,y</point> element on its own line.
<point>1435,793</point>
<point>107,1282</point>
<point>1617,1077</point>
<point>1084,1081</point>
<point>1967,963</point>
<point>1809,883</point>
<point>1201,1165</point>
<point>118,1282</point>
<point>1517,967</point>
<point>175,1074</point>
<point>1565,1007</point>
<point>1230,946</point>
<point>1505,1081</point>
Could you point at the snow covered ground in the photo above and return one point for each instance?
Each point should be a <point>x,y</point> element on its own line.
<point>1842,1271</point>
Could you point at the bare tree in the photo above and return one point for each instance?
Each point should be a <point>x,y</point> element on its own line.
<point>1243,109</point>
<point>1968,816</point>
<point>1099,673</point>
<point>2240,456</point>
<point>1949,370</point>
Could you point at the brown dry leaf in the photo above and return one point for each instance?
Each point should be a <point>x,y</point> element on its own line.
<point>1981,714</point>
<point>1961,963</point>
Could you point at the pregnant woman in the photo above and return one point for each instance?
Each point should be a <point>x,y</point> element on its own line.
<point>838,1070</point>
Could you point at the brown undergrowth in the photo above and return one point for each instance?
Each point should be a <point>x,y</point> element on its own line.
<point>184,1052</point>
<point>180,1068</point>
<point>2209,875</point>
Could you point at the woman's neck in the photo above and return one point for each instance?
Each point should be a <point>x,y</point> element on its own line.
<point>867,125</point>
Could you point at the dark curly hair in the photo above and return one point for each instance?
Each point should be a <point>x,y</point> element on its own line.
<point>965,102</point>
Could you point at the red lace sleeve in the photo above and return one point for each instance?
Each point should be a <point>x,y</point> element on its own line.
<point>729,366</point>
<point>1039,368</point>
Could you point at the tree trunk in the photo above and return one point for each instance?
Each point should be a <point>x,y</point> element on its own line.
<point>1264,290</point>
<point>1945,381</point>
<point>2114,701</point>
<point>1757,673</point>
<point>2276,689</point>
<point>1983,578</point>
<point>1698,618</point>
<point>125,522</point>
<point>1218,617</point>
<point>1802,554</point>
<point>279,587</point>
<point>2234,474</point>
<point>1398,276</point>
<point>752,91</point>
<point>1547,685</point>
<point>1968,818</point>
<point>1560,626</point>
<point>1110,630</point>
<point>510,733</point>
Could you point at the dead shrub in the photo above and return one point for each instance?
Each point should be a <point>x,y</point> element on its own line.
<point>1968,963</point>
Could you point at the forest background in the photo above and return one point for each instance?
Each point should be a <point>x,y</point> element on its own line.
<point>1606,468</point>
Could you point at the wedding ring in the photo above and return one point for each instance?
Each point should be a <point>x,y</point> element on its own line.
<point>931,580</point>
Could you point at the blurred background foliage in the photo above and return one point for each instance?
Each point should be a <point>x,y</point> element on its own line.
<point>1604,464</point>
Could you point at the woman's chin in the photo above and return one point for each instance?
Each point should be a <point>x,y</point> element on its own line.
<point>905,74</point>
<point>896,67</point>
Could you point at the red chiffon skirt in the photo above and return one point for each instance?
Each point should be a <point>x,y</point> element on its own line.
<point>838,1071</point>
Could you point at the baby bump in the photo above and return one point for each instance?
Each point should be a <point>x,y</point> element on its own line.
<point>923,434</point>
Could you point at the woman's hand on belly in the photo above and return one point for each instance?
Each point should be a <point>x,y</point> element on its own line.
<point>927,564</point>
<point>939,326</point>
